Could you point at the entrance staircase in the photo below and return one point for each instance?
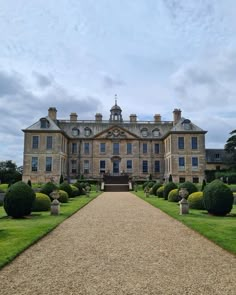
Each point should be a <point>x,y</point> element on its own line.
<point>116,183</point>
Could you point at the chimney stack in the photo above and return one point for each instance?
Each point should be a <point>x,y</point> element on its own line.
<point>98,117</point>
<point>157,118</point>
<point>73,117</point>
<point>176,116</point>
<point>133,118</point>
<point>52,113</point>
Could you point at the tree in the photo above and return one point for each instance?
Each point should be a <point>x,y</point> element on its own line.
<point>230,149</point>
<point>9,172</point>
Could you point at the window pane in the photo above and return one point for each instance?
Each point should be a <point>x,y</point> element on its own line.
<point>34,164</point>
<point>48,164</point>
<point>102,147</point>
<point>194,143</point>
<point>156,148</point>
<point>145,166</point>
<point>74,148</point>
<point>194,161</point>
<point>129,148</point>
<point>157,166</point>
<point>181,143</point>
<point>86,148</point>
<point>102,166</point>
<point>35,142</point>
<point>86,166</point>
<point>49,143</point>
<point>73,166</point>
<point>144,148</point>
<point>181,162</point>
<point>129,164</point>
<point>116,148</point>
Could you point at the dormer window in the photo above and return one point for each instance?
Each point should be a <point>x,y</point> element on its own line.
<point>87,131</point>
<point>144,132</point>
<point>44,123</point>
<point>75,131</point>
<point>156,132</point>
<point>187,124</point>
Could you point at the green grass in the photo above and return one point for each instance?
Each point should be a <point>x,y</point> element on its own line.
<point>4,186</point>
<point>220,230</point>
<point>18,234</point>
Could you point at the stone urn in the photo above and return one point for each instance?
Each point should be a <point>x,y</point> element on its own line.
<point>55,205</point>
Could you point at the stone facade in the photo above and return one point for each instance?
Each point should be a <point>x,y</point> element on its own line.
<point>93,147</point>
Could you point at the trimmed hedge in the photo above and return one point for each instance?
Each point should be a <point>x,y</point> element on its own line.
<point>160,191</point>
<point>19,200</point>
<point>64,198</point>
<point>218,198</point>
<point>167,188</point>
<point>64,186</point>
<point>195,201</point>
<point>42,202</point>
<point>173,195</point>
<point>191,187</point>
<point>155,188</point>
<point>48,188</point>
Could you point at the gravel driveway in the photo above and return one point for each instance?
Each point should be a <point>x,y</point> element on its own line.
<point>119,244</point>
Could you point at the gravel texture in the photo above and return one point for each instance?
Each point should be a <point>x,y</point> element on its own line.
<point>119,244</point>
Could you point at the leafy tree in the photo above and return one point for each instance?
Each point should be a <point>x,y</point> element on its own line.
<point>230,149</point>
<point>9,173</point>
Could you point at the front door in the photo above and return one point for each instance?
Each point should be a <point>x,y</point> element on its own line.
<point>116,164</point>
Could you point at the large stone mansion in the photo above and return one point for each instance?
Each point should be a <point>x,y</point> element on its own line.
<point>55,147</point>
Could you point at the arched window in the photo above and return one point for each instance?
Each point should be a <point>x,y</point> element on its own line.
<point>144,132</point>
<point>75,131</point>
<point>87,131</point>
<point>156,132</point>
<point>44,123</point>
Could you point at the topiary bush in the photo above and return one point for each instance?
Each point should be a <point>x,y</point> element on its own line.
<point>167,188</point>
<point>19,200</point>
<point>191,187</point>
<point>48,188</point>
<point>155,188</point>
<point>75,191</point>
<point>173,195</point>
<point>218,198</point>
<point>42,202</point>
<point>64,198</point>
<point>66,187</point>
<point>160,191</point>
<point>195,201</point>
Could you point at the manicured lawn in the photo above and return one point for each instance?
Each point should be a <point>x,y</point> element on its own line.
<point>18,234</point>
<point>221,230</point>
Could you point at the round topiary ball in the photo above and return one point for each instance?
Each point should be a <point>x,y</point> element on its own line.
<point>19,200</point>
<point>173,195</point>
<point>64,198</point>
<point>66,187</point>
<point>195,201</point>
<point>160,191</point>
<point>191,187</point>
<point>75,191</point>
<point>167,188</point>
<point>48,188</point>
<point>156,187</point>
<point>42,202</point>
<point>218,198</point>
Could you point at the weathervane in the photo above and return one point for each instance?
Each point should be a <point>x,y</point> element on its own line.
<point>115,99</point>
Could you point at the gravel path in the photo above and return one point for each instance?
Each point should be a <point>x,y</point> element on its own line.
<point>118,244</point>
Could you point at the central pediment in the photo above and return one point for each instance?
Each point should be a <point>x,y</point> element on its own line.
<point>116,132</point>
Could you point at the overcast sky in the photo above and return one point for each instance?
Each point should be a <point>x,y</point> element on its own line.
<point>156,55</point>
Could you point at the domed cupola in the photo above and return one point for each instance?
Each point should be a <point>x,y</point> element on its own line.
<point>116,111</point>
